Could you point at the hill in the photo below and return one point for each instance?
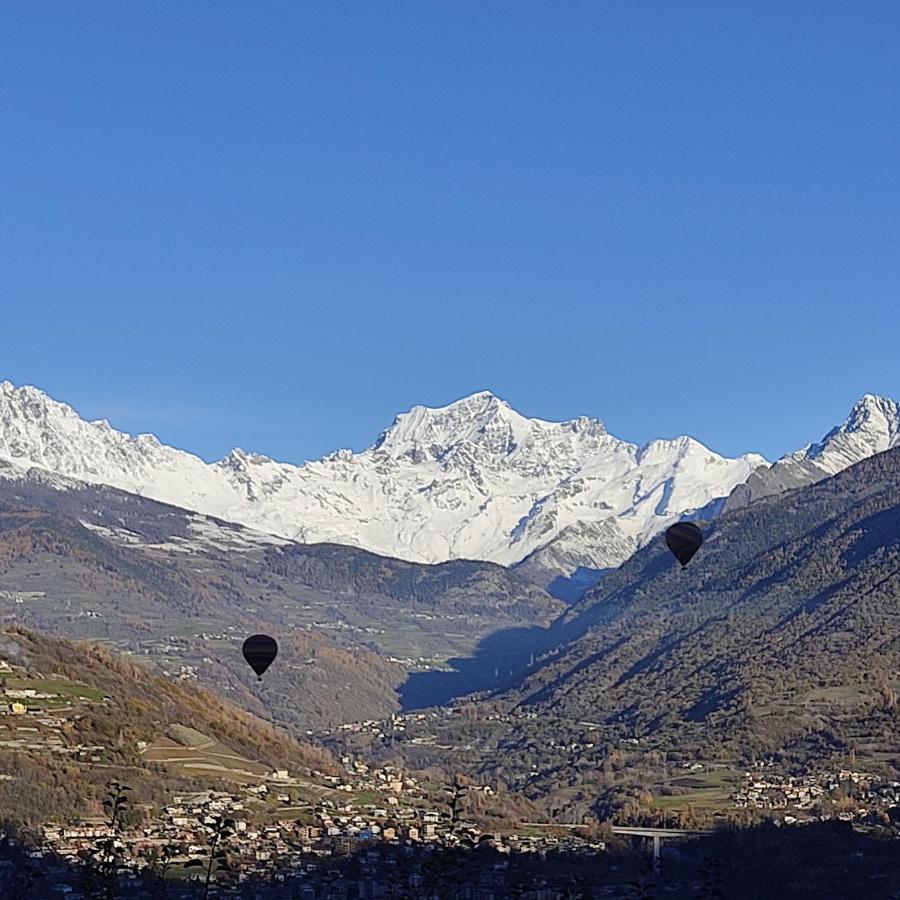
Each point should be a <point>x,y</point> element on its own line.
<point>85,716</point>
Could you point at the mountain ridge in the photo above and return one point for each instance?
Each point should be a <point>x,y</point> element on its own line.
<point>473,479</point>
<point>872,426</point>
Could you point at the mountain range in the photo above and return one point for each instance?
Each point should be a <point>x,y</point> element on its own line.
<point>471,480</point>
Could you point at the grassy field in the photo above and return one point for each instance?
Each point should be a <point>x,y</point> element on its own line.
<point>709,790</point>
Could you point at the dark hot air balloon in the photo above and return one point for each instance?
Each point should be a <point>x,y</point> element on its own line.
<point>260,650</point>
<point>684,540</point>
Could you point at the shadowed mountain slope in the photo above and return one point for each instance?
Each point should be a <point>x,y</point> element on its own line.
<point>789,599</point>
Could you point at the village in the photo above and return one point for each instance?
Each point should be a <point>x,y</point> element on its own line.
<point>35,717</point>
<point>375,816</point>
<point>369,830</point>
<point>844,794</point>
<point>273,824</point>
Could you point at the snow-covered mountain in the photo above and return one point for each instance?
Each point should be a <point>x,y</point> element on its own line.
<point>474,479</point>
<point>873,426</point>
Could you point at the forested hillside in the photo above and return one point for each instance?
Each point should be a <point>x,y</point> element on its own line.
<point>781,637</point>
<point>780,641</point>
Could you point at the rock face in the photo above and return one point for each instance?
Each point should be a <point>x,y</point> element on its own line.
<point>472,480</point>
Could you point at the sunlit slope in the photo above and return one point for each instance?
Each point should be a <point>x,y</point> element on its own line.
<point>98,717</point>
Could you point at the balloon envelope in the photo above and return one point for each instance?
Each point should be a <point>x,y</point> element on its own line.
<point>259,651</point>
<point>684,540</point>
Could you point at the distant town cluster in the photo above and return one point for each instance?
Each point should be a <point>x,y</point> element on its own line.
<point>271,836</point>
<point>855,796</point>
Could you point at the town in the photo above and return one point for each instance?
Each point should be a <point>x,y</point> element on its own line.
<point>377,817</point>
<point>368,829</point>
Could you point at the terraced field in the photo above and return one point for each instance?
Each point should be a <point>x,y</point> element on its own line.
<point>194,753</point>
<point>209,758</point>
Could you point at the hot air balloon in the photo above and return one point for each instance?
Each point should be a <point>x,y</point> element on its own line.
<point>684,540</point>
<point>259,651</point>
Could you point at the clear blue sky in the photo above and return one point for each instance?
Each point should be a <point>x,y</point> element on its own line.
<point>277,224</point>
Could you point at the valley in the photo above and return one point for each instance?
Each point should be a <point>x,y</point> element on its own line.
<point>777,647</point>
<point>182,592</point>
<point>758,684</point>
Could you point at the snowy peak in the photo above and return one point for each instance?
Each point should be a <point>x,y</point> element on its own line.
<point>38,431</point>
<point>239,460</point>
<point>435,430</point>
<point>27,403</point>
<point>669,448</point>
<point>873,426</point>
<point>877,417</point>
<point>480,427</point>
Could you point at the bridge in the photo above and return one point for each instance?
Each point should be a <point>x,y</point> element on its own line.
<point>658,835</point>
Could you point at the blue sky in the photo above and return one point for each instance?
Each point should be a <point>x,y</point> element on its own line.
<point>277,224</point>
